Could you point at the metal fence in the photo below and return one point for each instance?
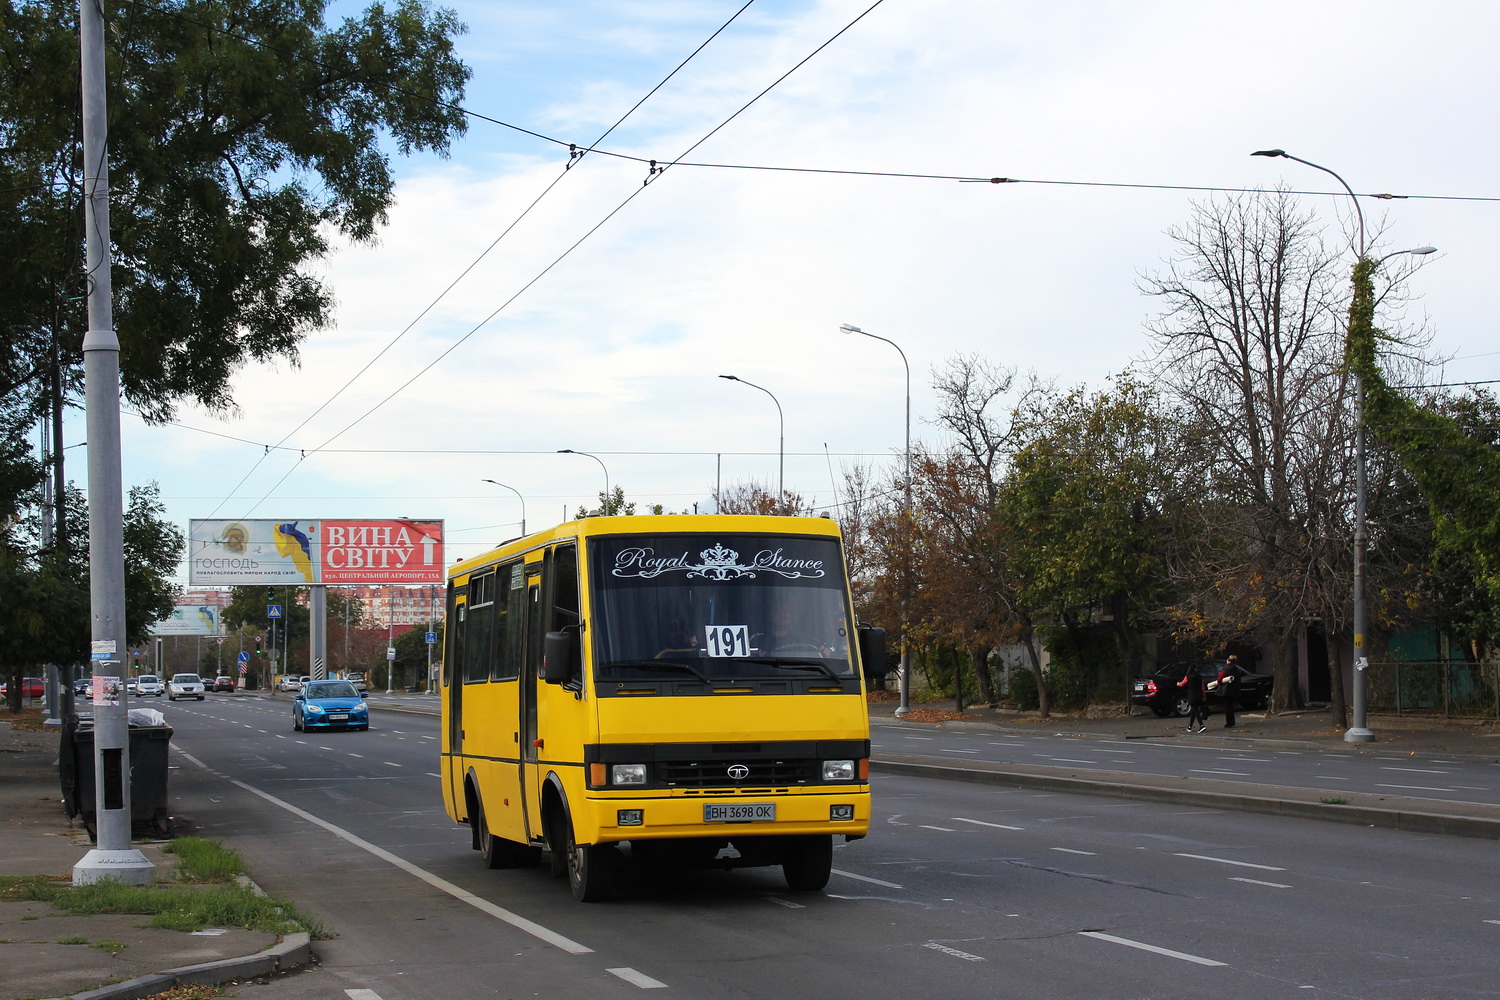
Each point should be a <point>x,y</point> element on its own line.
<point>1434,687</point>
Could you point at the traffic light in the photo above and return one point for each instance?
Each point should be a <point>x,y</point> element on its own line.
<point>260,642</point>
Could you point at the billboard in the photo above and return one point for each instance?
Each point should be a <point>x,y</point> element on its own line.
<point>328,551</point>
<point>188,619</point>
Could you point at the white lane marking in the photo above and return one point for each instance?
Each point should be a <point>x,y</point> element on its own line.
<point>1414,770</point>
<point>362,995</point>
<point>1069,850</point>
<point>939,829</point>
<point>1184,956</point>
<point>980,822</point>
<point>1102,750</point>
<point>866,878</point>
<point>640,979</point>
<point>1220,772</point>
<point>784,902</point>
<point>359,755</point>
<point>1256,881</point>
<point>1414,788</point>
<point>927,738</point>
<point>329,749</point>
<point>459,893</point>
<point>1226,861</point>
<point>433,774</point>
<point>391,764</point>
<point>1064,760</point>
<point>1492,921</point>
<point>951,750</point>
<point>952,951</point>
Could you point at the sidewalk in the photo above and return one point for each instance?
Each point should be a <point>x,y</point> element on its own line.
<point>1307,729</point>
<point>39,839</point>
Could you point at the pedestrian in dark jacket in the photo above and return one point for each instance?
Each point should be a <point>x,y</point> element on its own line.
<point>1193,682</point>
<point>1228,683</point>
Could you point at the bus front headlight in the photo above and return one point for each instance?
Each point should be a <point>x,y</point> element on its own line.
<point>838,770</point>
<point>627,774</point>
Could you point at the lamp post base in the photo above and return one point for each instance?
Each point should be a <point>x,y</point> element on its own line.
<point>130,867</point>
<point>1358,735</point>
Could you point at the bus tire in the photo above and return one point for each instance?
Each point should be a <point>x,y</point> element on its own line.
<point>496,852</point>
<point>591,867</point>
<point>807,862</point>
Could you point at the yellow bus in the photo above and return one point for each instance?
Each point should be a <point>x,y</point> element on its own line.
<point>678,689</point>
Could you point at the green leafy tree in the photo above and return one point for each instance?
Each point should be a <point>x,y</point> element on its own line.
<point>242,138</point>
<point>1084,498</point>
<point>617,505</point>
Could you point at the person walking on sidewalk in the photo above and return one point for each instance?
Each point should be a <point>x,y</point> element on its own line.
<point>1193,682</point>
<point>1228,683</point>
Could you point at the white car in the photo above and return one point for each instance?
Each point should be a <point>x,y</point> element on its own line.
<point>185,686</point>
<point>291,682</point>
<point>146,684</point>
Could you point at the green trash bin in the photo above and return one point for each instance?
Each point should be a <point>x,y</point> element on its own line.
<point>148,776</point>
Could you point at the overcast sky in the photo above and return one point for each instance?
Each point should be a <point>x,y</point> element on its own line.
<point>710,271</point>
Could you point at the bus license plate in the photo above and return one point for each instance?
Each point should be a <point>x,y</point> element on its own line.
<point>739,812</point>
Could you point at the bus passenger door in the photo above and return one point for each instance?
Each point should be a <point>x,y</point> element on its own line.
<point>530,778</point>
<point>452,690</point>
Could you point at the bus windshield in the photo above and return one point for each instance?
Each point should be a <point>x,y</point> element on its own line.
<point>718,606</point>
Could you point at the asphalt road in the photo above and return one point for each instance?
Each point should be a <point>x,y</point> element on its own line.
<point>960,891</point>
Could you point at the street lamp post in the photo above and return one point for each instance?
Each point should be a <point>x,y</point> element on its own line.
<point>780,444</point>
<point>113,857</point>
<point>608,500</point>
<point>905,678</point>
<point>518,497</point>
<point>1364,269</point>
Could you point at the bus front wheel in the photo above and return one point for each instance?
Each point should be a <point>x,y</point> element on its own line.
<point>591,867</point>
<point>807,862</point>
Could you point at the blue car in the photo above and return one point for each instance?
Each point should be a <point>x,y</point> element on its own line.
<point>329,705</point>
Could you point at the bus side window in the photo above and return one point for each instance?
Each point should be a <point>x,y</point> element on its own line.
<point>479,628</point>
<point>454,635</point>
<point>510,610</point>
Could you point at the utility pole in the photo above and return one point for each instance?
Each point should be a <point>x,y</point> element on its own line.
<point>113,857</point>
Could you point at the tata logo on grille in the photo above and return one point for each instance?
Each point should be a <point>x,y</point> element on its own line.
<point>739,772</point>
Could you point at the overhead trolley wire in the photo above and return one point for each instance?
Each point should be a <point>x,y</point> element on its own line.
<point>572,161</point>
<point>655,171</point>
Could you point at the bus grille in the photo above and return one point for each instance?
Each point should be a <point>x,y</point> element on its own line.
<point>715,774</point>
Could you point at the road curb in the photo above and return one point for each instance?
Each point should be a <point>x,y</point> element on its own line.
<point>290,952</point>
<point>1409,820</point>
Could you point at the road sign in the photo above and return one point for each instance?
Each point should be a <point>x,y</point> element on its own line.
<point>244,657</point>
<point>431,638</point>
<point>273,611</point>
<point>390,652</point>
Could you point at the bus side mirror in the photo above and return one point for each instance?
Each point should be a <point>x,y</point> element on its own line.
<point>559,657</point>
<point>872,653</point>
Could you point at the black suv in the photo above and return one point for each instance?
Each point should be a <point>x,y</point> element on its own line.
<point>1160,692</point>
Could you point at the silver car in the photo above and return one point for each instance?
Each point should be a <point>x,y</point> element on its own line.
<point>146,684</point>
<point>185,686</point>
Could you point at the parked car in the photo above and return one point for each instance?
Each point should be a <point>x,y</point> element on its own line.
<point>31,687</point>
<point>289,683</point>
<point>185,686</point>
<point>329,705</point>
<point>357,678</point>
<point>224,683</point>
<point>146,684</point>
<point>1160,692</point>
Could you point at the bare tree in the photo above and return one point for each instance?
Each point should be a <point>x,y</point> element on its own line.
<point>1250,345</point>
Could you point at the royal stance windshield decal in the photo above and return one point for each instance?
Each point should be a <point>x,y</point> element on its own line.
<point>717,563</point>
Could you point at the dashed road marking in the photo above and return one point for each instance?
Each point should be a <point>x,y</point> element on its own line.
<point>1169,953</point>
<point>1226,861</point>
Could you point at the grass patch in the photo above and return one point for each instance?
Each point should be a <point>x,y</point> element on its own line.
<point>1334,800</point>
<point>200,860</point>
<point>73,940</point>
<point>113,947</point>
<point>175,907</point>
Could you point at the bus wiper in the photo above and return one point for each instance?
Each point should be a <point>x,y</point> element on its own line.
<point>791,661</point>
<point>657,665</point>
